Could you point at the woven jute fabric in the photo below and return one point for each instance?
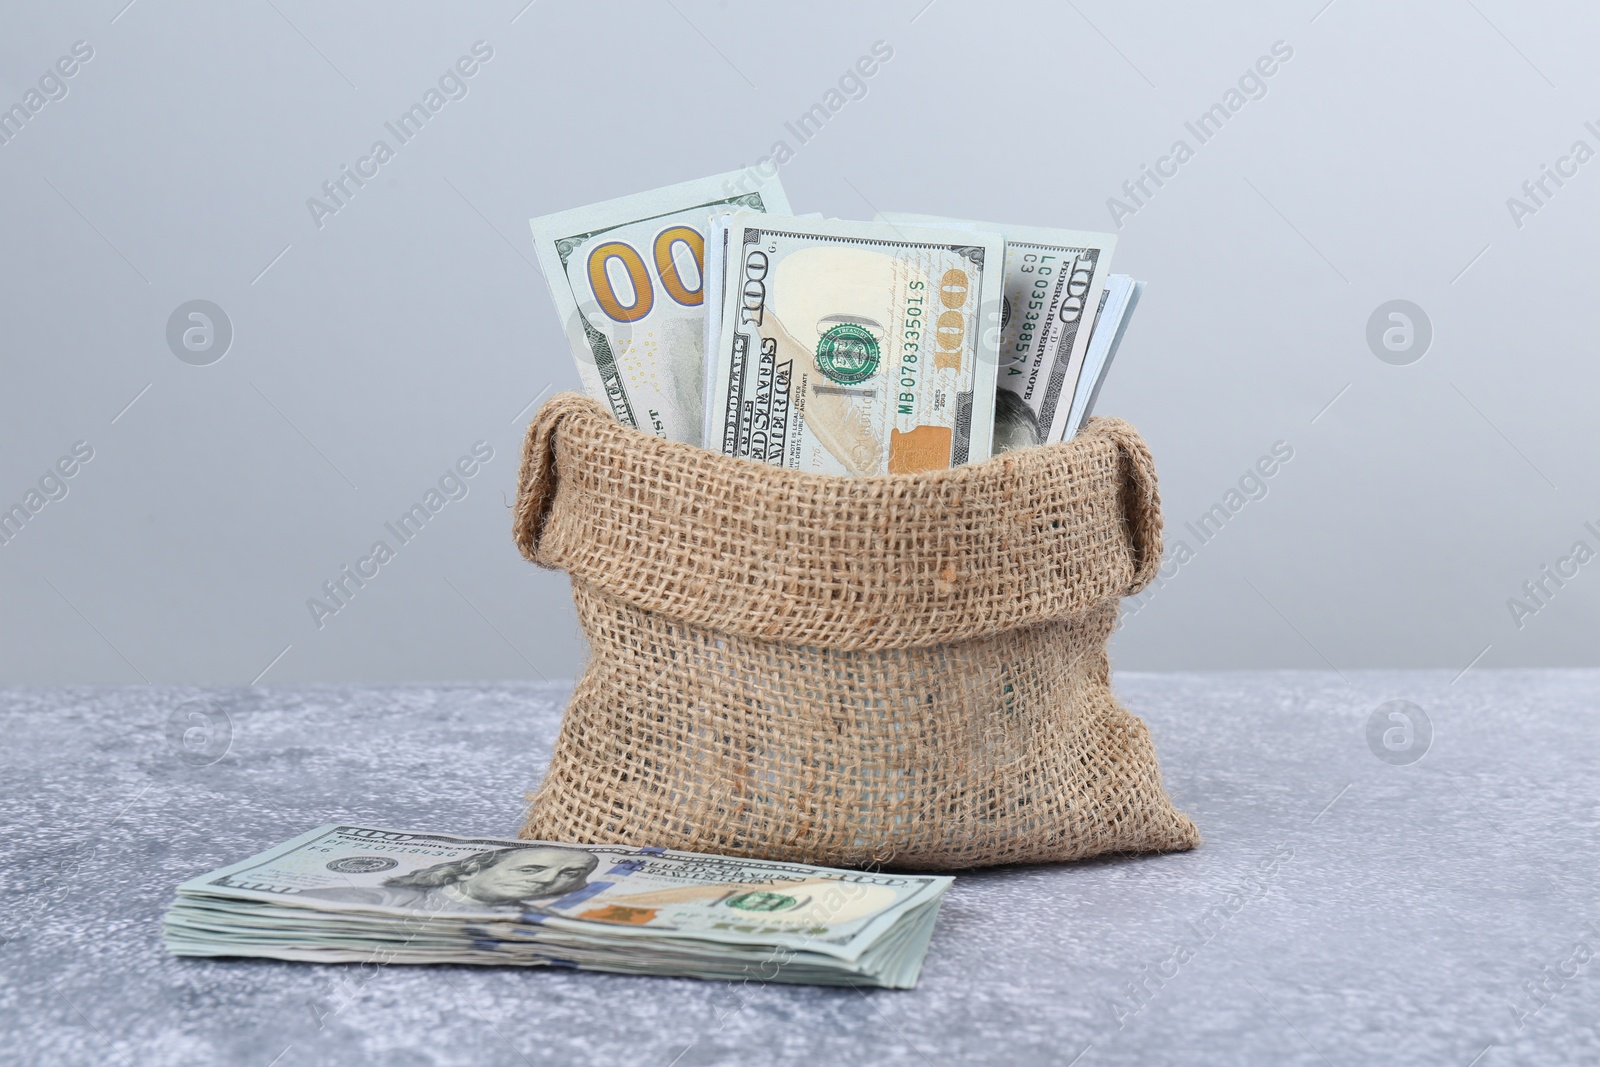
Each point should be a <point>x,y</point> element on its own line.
<point>907,669</point>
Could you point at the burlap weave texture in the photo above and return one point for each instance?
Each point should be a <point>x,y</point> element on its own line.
<point>906,669</point>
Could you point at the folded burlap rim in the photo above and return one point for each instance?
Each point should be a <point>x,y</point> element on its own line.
<point>889,561</point>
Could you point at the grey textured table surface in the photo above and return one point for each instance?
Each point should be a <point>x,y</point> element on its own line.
<point>1345,909</point>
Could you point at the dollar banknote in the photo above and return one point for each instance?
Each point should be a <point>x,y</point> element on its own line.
<point>627,277</point>
<point>1053,280</point>
<point>716,272</point>
<point>344,893</point>
<point>1121,296</point>
<point>855,348</point>
<point>716,277</point>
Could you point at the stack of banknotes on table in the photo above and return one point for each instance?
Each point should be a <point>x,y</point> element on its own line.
<point>706,313</point>
<point>353,894</point>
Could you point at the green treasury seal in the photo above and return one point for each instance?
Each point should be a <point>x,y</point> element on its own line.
<point>762,901</point>
<point>847,354</point>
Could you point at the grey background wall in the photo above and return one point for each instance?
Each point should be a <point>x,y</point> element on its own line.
<point>373,347</point>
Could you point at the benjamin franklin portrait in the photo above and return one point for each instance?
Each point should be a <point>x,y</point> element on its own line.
<point>500,880</point>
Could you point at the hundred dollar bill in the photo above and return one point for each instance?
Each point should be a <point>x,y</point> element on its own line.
<point>716,273</point>
<point>855,348</point>
<point>627,277</point>
<point>1111,322</point>
<point>360,894</point>
<point>1052,280</point>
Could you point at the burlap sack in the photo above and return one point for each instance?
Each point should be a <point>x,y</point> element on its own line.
<point>905,669</point>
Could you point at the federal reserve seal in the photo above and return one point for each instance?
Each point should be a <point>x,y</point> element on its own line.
<point>361,864</point>
<point>847,354</point>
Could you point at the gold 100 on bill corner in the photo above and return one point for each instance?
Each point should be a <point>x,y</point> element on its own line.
<point>627,278</point>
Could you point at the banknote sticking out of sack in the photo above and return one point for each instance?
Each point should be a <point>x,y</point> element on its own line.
<point>704,313</point>
<point>902,669</point>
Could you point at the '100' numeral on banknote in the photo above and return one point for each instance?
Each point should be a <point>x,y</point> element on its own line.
<point>628,279</point>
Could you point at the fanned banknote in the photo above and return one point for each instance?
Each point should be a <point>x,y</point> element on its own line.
<point>357,894</point>
<point>627,277</point>
<point>1053,282</point>
<point>856,348</point>
<point>716,272</point>
<point>1111,322</point>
